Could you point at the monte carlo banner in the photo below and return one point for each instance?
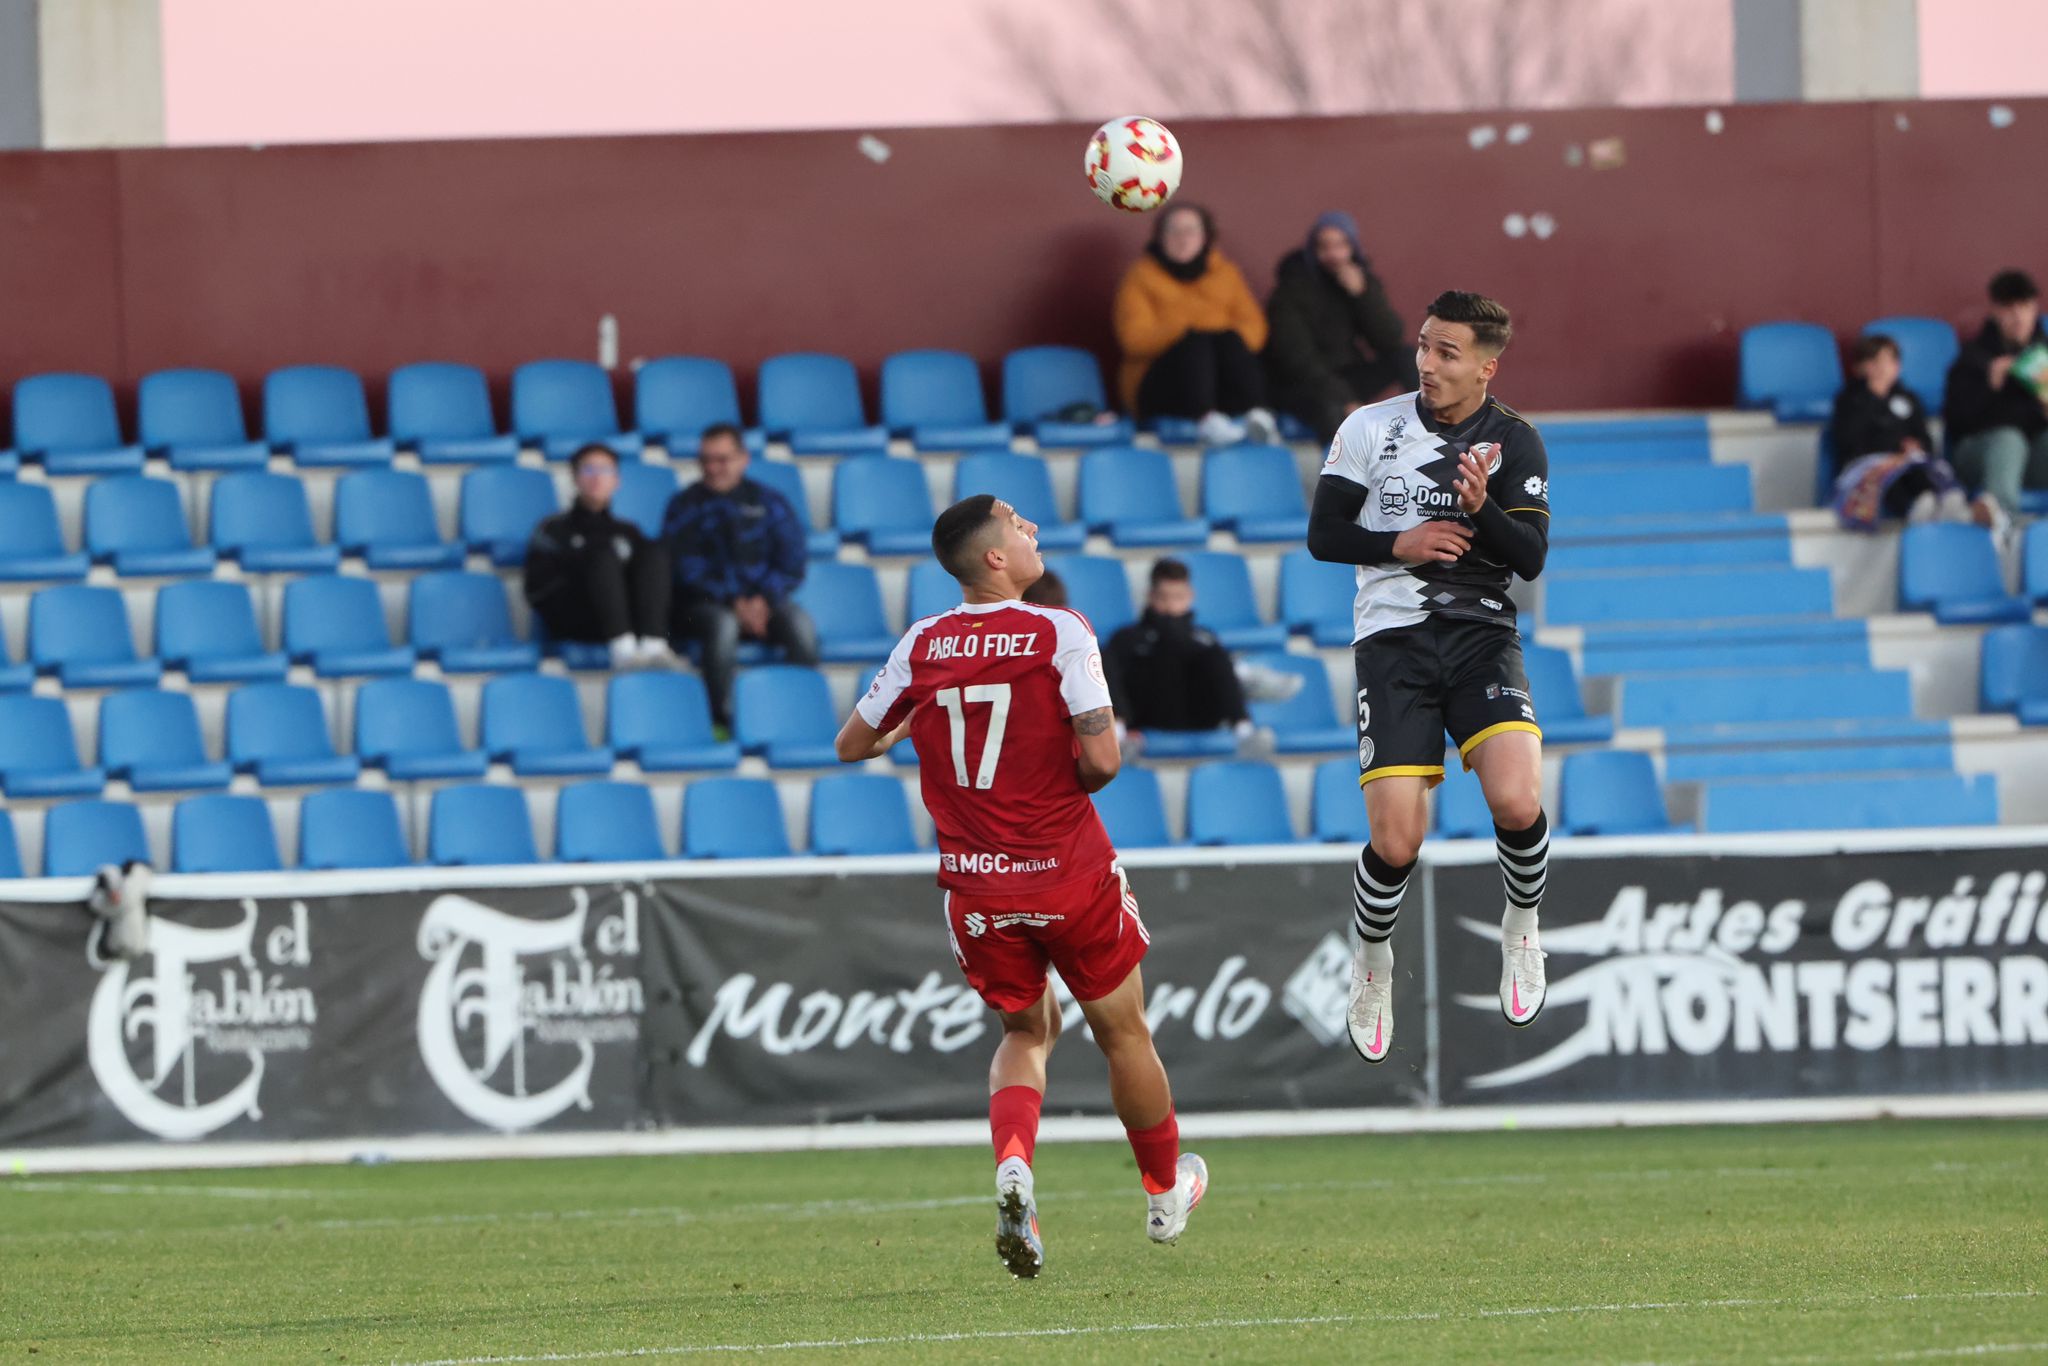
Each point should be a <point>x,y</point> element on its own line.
<point>828,993</point>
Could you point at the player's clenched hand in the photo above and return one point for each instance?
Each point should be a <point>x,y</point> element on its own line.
<point>1470,483</point>
<point>1432,543</point>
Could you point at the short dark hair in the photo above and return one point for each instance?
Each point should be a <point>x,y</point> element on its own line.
<point>1488,318</point>
<point>1170,570</point>
<point>584,453</point>
<point>723,429</point>
<point>1870,346</point>
<point>2013,287</point>
<point>957,535</point>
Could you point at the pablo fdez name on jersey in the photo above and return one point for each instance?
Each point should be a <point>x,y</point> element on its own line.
<point>994,645</point>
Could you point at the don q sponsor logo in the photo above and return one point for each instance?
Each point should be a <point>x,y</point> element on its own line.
<point>213,1003</point>
<point>1905,968</point>
<point>527,1001</point>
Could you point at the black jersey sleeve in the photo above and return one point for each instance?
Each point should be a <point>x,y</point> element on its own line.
<point>1333,530</point>
<point>1514,522</point>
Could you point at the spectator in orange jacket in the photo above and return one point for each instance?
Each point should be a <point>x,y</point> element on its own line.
<point>1190,330</point>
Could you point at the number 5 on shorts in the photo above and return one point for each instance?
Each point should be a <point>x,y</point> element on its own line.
<point>997,695</point>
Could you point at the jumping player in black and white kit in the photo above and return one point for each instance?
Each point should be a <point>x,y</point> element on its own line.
<point>1438,497</point>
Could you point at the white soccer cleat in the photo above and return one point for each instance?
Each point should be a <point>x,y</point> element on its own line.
<point>1371,1015</point>
<point>1017,1240</point>
<point>1167,1213</point>
<point>1521,980</point>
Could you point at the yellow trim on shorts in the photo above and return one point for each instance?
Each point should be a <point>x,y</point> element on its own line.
<point>1434,772</point>
<point>1483,736</point>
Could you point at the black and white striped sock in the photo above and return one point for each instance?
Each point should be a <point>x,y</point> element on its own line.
<point>1376,888</point>
<point>1524,868</point>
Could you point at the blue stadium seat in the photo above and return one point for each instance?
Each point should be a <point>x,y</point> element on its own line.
<point>884,504</point>
<point>1612,792</point>
<point>1687,764</point>
<point>607,822</point>
<point>1858,802</point>
<point>1794,369</point>
<point>463,620</point>
<point>676,397</point>
<point>535,722</point>
<point>151,738</point>
<point>500,508</point>
<point>1190,744</point>
<point>1039,382</point>
<point>560,406</point>
<point>845,602</point>
<point>1305,723</point>
<point>2013,673</point>
<point>319,414</point>
<point>137,524</point>
<point>387,517</point>
<point>1952,570</point>
<point>1224,601</point>
<point>443,411</point>
<point>931,591</point>
<point>1784,645</point>
<point>39,754</point>
<point>80,633</point>
<point>733,818</point>
<point>80,838</point>
<point>1461,809</point>
<point>2034,564</point>
<point>662,721</point>
<point>1316,598</point>
<point>279,732</point>
<point>407,727</point>
<point>1756,696</point>
<point>68,423</point>
<point>1133,811</point>
<point>1623,492</point>
<point>1129,493</point>
<point>784,713</point>
<point>351,827</point>
<point>264,521</point>
<point>813,402</point>
<point>1742,593</point>
<point>1237,803</point>
<point>476,824</point>
<point>1255,492</point>
<point>1560,707</point>
<point>1097,588</point>
<point>1683,439</point>
<point>1665,552</point>
<point>1336,809</point>
<point>31,543</point>
<point>1023,482</point>
<point>14,677</point>
<point>10,852</point>
<point>195,417</point>
<point>787,480</point>
<point>860,813</point>
<point>1927,347</point>
<point>935,399</point>
<point>336,623</point>
<point>207,628</point>
<point>643,494</point>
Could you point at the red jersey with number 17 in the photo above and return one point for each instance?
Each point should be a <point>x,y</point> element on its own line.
<point>992,689</point>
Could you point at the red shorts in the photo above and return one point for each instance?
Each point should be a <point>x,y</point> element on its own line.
<point>1089,930</point>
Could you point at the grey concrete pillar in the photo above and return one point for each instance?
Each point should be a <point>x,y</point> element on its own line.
<point>81,73</point>
<point>1827,49</point>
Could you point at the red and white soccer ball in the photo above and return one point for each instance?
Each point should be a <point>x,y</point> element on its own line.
<point>1134,164</point>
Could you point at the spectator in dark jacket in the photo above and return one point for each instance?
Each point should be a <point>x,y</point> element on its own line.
<point>594,577</point>
<point>1994,408</point>
<point>1884,454</point>
<point>739,555</point>
<point>1336,344</point>
<point>1166,672</point>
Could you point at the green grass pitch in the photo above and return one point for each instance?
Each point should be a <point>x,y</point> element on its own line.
<point>1822,1243</point>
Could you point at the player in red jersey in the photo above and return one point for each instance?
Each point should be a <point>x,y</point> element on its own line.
<point>1006,705</point>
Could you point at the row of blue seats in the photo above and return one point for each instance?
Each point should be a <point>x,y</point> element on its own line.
<point>1795,369</point>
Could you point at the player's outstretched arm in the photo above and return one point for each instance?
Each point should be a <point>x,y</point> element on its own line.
<point>859,741</point>
<point>1100,756</point>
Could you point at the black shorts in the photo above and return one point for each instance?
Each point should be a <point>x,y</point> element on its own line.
<point>1416,682</point>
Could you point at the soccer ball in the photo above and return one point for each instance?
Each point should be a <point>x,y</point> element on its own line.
<point>1133,164</point>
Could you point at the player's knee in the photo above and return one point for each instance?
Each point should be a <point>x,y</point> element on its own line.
<point>1399,841</point>
<point>1518,807</point>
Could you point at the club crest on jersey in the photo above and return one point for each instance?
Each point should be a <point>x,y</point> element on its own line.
<point>1396,429</point>
<point>1488,452</point>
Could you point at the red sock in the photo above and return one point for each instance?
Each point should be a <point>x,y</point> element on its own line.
<point>1013,1122</point>
<point>1158,1152</point>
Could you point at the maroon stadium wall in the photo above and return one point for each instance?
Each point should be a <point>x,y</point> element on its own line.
<point>1668,240</point>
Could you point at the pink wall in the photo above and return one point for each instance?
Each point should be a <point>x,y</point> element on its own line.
<point>258,71</point>
<point>1983,47</point>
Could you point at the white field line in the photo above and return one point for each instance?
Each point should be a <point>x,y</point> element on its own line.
<point>1202,1325</point>
<point>122,1188</point>
<point>1050,1200</point>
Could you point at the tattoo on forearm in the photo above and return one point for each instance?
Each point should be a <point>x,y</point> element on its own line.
<point>1094,722</point>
